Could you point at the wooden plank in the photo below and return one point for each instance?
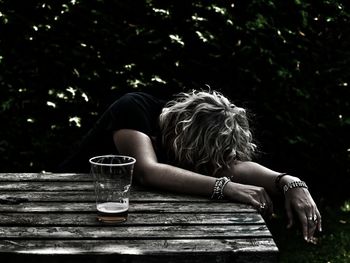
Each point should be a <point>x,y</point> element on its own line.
<point>135,232</point>
<point>60,186</point>
<point>158,207</point>
<point>261,257</point>
<point>89,196</point>
<point>139,247</point>
<point>32,191</point>
<point>20,177</point>
<point>47,186</point>
<point>89,219</point>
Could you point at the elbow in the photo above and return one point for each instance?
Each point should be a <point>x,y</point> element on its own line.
<point>140,178</point>
<point>144,174</point>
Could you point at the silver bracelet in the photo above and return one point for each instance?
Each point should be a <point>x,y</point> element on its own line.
<point>295,184</point>
<point>218,191</point>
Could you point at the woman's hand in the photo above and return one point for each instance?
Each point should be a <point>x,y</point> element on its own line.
<point>250,194</point>
<point>300,201</point>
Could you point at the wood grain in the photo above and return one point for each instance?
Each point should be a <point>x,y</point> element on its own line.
<point>89,219</point>
<point>48,217</point>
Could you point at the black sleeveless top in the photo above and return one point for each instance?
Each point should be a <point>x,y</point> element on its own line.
<point>138,111</point>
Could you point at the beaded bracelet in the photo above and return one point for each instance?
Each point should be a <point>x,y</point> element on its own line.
<point>295,184</point>
<point>218,191</point>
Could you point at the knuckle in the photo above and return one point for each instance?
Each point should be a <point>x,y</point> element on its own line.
<point>299,205</point>
<point>252,200</point>
<point>260,190</point>
<point>307,206</point>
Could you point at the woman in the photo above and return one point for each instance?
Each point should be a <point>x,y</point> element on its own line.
<point>199,143</point>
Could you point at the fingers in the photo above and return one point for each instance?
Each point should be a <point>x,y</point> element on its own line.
<point>307,225</point>
<point>311,227</point>
<point>304,225</point>
<point>256,204</point>
<point>314,223</point>
<point>319,221</point>
<point>289,212</point>
<point>310,219</point>
<point>263,208</point>
<point>269,209</point>
<point>254,195</point>
<point>259,203</point>
<point>306,211</point>
<point>263,202</point>
<point>309,222</point>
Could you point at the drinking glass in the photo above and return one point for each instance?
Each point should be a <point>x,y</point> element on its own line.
<point>112,179</point>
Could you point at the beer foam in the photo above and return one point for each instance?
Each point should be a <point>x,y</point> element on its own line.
<point>113,207</point>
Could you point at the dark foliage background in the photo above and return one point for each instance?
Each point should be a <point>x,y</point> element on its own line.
<point>63,62</point>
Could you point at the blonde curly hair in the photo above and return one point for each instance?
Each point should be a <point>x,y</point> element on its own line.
<point>205,132</point>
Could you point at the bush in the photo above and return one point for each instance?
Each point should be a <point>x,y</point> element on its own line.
<point>63,62</point>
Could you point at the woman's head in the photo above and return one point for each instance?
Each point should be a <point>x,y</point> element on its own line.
<point>204,131</point>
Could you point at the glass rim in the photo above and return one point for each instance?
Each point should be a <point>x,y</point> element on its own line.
<point>132,160</point>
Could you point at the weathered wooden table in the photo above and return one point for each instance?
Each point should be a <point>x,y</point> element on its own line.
<point>52,218</point>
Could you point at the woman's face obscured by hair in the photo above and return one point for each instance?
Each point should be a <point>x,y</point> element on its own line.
<point>205,132</point>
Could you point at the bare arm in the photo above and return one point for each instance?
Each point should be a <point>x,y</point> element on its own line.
<point>249,181</point>
<point>148,171</point>
<point>299,199</point>
<point>255,174</point>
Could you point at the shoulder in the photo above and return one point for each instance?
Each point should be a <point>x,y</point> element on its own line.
<point>138,99</point>
<point>136,110</point>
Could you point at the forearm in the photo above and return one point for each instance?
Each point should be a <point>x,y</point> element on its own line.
<point>175,179</point>
<point>148,171</point>
<point>255,174</point>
